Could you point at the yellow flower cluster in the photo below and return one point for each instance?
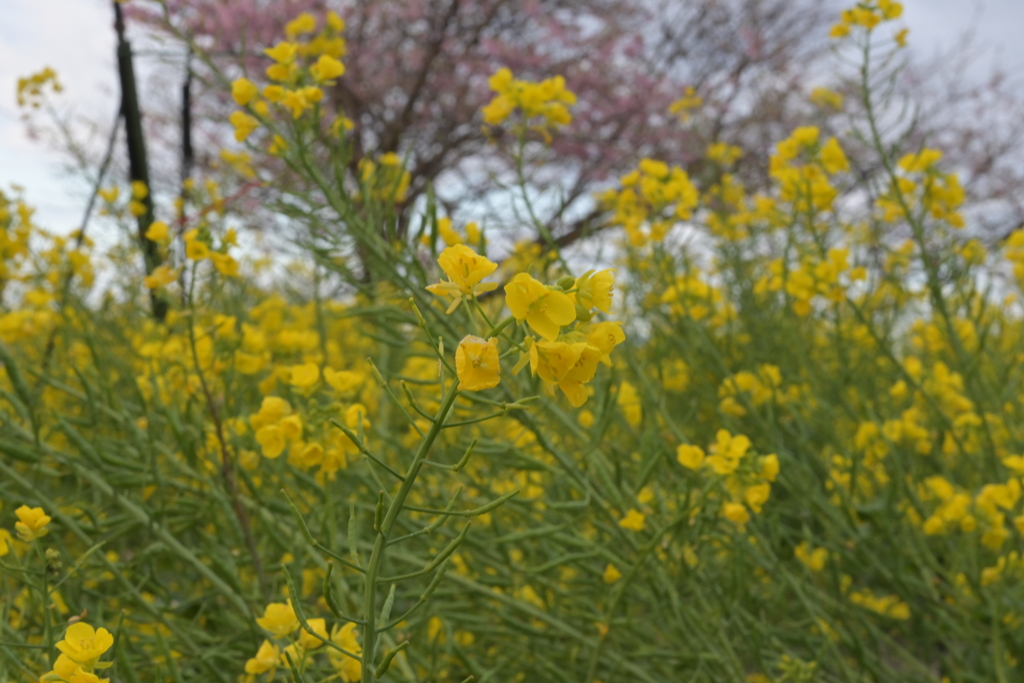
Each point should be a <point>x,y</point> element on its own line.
<point>296,86</point>
<point>746,477</point>
<point>867,15</point>
<point>826,99</point>
<point>568,359</point>
<point>543,105</point>
<point>887,605</point>
<point>750,388</point>
<point>31,88</point>
<point>386,180</point>
<point>685,104</point>
<point>280,620</point>
<point>829,278</point>
<point>922,190</point>
<point>653,198</point>
<point>801,166</point>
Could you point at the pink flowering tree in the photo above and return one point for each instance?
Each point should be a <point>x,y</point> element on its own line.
<point>417,70</point>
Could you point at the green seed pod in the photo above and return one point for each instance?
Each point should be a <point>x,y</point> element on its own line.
<point>378,513</point>
<point>328,591</point>
<point>385,663</point>
<point>353,534</point>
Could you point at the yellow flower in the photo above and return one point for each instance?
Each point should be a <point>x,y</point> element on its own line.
<point>611,574</point>
<point>840,30</point>
<point>31,523</point>
<point>160,277</point>
<point>634,520</point>
<point>545,310</point>
<point>630,403</point>
<point>308,642</point>
<point>355,414</point>
<point>291,427</point>
<point>447,233</point>
<point>84,644</point>
<point>724,153</point>
<point>81,676</point>
<point>249,363</point>
<point>350,670</point>
<point>832,157</point>
<point>547,99</point>
<point>279,618</point>
<point>757,495</point>
<point>736,513</point>
<point>265,661</point>
<point>823,97</point>
<point>327,68</point>
<point>244,125</point>
<point>691,457</point>
<point>812,559</point>
<point>297,101</point>
<point>272,409</point>
<point>581,372</point>
<point>342,381</point>
<point>64,668</point>
<point>139,190</point>
<point>271,441</point>
<point>5,542</point>
<point>282,53</point>
<point>476,362</point>
<point>465,269</point>
<point>304,376</point>
<point>728,450</point>
<point>310,455</point>
<point>594,290</point>
<point>277,146</point>
<point>274,93</point>
<point>157,232</point>
<point>605,336</point>
<point>196,250</point>
<point>244,91</point>
<point>304,23</point>
<point>890,9</point>
<point>553,360</point>
<point>224,263</point>
<point>920,162</point>
<point>110,194</point>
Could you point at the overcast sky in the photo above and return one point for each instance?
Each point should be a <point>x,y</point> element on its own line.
<point>75,38</point>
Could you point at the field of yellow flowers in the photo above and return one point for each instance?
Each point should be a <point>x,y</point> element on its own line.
<point>776,436</point>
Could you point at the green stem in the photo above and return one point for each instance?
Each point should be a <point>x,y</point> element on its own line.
<point>47,629</point>
<point>380,544</point>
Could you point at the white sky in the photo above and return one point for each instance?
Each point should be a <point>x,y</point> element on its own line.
<point>76,38</point>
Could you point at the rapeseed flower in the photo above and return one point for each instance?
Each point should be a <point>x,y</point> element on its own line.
<point>634,520</point>
<point>476,363</point>
<point>350,670</point>
<point>31,523</point>
<point>545,310</point>
<point>266,660</point>
<point>465,270</point>
<point>279,618</point>
<point>85,645</point>
<point>244,91</point>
